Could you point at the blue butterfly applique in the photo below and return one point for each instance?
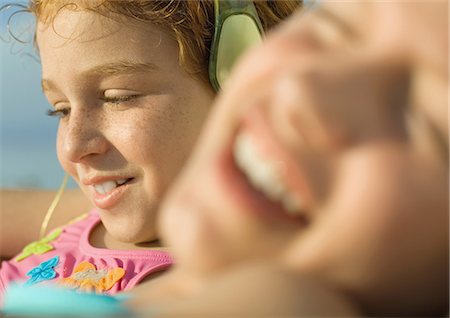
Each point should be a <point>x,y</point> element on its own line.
<point>44,271</point>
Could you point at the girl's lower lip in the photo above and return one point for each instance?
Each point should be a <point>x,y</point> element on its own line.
<point>110,199</point>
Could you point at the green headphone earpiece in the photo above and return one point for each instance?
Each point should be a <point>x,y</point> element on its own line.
<point>237,27</point>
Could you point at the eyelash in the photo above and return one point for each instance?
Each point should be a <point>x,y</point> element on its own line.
<point>119,99</point>
<point>63,112</point>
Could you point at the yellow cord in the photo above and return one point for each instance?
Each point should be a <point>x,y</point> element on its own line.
<point>52,207</point>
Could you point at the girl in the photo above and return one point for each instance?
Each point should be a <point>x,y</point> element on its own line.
<point>128,82</point>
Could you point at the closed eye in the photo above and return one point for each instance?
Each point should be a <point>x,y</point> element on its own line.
<point>119,99</point>
<point>61,113</point>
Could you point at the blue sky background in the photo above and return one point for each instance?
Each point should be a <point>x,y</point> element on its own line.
<point>27,135</point>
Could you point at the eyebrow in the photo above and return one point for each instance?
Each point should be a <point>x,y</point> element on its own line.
<point>122,67</point>
<point>110,69</point>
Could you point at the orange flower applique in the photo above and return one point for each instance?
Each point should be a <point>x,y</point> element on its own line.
<point>86,277</point>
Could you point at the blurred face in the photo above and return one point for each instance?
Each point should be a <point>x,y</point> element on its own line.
<point>328,153</point>
<point>129,114</point>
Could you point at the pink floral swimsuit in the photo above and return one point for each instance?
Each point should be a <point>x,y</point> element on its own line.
<point>66,257</point>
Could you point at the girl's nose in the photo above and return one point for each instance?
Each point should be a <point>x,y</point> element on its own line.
<point>81,138</point>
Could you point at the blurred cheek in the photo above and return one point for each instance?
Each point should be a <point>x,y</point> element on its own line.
<point>356,209</point>
<point>382,206</point>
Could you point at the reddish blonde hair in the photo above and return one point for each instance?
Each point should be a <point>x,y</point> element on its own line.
<point>191,23</point>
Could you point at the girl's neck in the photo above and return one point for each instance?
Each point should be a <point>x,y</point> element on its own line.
<point>100,238</point>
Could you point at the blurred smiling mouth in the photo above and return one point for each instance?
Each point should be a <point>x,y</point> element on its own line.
<point>264,174</point>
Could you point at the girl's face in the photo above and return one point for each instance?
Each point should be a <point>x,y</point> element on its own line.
<point>328,155</point>
<point>129,115</point>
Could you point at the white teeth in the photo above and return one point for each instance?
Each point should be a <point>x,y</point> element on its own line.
<point>263,174</point>
<point>105,187</point>
<point>121,181</point>
<point>108,186</point>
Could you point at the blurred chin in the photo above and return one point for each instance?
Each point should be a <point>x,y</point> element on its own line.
<point>191,236</point>
<point>181,231</point>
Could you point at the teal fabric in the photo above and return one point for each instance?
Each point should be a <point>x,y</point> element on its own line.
<point>45,301</point>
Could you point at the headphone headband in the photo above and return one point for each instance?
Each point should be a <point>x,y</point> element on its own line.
<point>237,27</point>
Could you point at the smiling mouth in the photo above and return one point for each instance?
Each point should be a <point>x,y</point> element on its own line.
<point>266,175</point>
<point>108,186</point>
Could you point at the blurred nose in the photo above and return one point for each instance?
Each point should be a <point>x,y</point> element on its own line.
<point>82,138</point>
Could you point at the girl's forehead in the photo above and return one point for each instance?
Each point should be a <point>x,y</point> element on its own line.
<point>87,26</point>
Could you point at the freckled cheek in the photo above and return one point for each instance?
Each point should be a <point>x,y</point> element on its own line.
<point>138,145</point>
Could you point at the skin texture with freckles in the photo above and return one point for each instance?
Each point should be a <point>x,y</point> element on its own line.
<point>128,111</point>
<point>190,23</point>
<point>359,120</point>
